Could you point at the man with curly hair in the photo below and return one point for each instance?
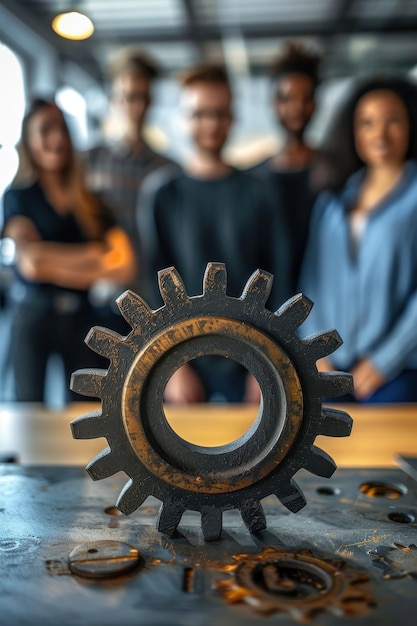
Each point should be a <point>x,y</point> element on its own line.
<point>295,77</point>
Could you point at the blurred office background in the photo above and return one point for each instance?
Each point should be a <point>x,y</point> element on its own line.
<point>355,37</point>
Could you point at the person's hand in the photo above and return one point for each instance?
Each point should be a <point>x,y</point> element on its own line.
<point>366,379</point>
<point>252,390</point>
<point>325,365</point>
<point>184,387</point>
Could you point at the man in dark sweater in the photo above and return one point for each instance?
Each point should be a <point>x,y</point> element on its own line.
<point>210,212</point>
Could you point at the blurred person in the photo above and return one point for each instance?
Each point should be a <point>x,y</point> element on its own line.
<point>115,169</point>
<point>210,212</point>
<point>295,77</point>
<point>66,240</point>
<point>360,267</point>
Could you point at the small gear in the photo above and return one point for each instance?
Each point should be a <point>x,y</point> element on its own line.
<point>264,460</point>
<point>297,583</point>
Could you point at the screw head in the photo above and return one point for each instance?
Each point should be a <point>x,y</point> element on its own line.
<point>103,559</point>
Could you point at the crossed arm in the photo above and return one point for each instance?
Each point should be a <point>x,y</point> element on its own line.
<point>74,266</point>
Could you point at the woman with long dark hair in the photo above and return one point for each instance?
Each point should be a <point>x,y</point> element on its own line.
<point>66,240</point>
<point>360,267</point>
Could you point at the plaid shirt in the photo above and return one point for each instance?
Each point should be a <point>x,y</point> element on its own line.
<point>116,173</point>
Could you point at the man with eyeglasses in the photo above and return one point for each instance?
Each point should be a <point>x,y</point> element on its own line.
<point>115,169</point>
<point>210,212</point>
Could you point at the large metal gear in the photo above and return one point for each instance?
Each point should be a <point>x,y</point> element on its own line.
<point>239,475</point>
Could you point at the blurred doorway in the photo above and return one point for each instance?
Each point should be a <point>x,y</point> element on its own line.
<point>12,107</point>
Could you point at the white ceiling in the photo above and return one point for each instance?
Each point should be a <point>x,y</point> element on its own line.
<point>355,36</point>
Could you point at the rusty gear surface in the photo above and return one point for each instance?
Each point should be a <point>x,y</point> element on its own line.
<point>300,584</point>
<point>238,475</point>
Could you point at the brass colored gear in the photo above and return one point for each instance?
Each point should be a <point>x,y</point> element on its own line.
<point>297,583</point>
<point>264,460</point>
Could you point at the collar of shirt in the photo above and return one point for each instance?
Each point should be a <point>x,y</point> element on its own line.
<point>350,192</point>
<point>126,150</point>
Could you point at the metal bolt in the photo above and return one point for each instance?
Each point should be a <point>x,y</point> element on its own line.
<point>103,559</point>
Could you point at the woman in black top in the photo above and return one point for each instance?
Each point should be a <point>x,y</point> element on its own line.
<point>66,240</point>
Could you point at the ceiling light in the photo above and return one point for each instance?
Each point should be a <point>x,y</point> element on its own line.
<point>73,25</point>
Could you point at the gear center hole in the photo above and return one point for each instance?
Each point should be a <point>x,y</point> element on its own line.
<point>291,578</point>
<point>202,382</point>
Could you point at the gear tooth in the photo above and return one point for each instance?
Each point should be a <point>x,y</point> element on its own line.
<point>323,344</point>
<point>295,311</point>
<point>215,278</point>
<point>88,426</point>
<point>169,517</point>
<point>211,522</point>
<point>171,287</point>
<point>258,287</point>
<point>335,384</point>
<point>135,310</point>
<point>102,466</point>
<point>88,382</point>
<point>132,496</point>
<point>103,341</point>
<point>291,496</point>
<point>336,423</point>
<point>320,463</point>
<point>253,515</point>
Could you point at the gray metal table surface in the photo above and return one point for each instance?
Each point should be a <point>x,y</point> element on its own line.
<point>360,525</point>
<point>350,551</point>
